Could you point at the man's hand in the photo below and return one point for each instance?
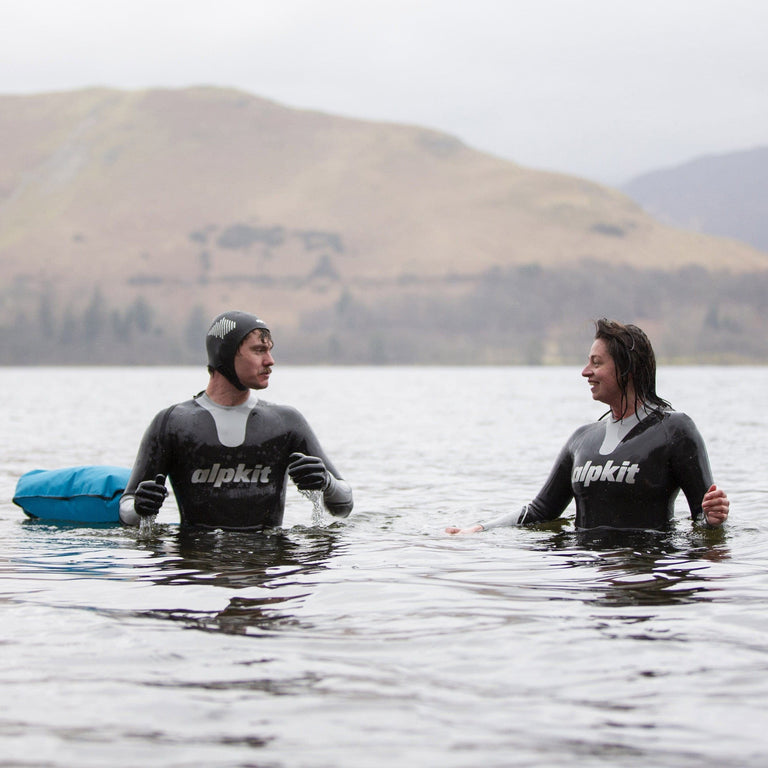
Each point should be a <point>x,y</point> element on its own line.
<point>308,472</point>
<point>149,496</point>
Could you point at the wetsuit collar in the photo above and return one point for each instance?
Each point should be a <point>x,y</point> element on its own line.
<point>635,418</point>
<point>617,430</point>
<point>208,403</point>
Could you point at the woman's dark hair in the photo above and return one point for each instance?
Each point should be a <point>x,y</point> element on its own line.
<point>634,359</point>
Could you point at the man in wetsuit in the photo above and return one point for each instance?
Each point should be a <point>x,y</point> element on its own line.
<point>625,470</point>
<point>227,453</point>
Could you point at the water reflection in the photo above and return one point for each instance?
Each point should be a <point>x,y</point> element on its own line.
<point>61,549</point>
<point>282,562</point>
<point>651,568</point>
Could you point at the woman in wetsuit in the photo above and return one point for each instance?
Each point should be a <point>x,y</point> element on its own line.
<point>625,470</point>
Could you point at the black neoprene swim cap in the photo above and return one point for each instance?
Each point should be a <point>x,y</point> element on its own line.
<point>224,337</point>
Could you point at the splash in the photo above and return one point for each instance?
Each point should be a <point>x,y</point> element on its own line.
<point>318,511</point>
<point>147,526</point>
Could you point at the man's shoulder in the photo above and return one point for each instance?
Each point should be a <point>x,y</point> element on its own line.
<point>181,407</point>
<point>279,410</point>
<point>176,410</point>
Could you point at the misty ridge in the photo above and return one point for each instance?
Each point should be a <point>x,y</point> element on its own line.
<point>724,195</point>
<point>129,219</point>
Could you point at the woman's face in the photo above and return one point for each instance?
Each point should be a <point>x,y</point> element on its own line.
<point>600,373</point>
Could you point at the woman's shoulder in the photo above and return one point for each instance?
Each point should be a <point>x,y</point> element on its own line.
<point>676,420</point>
<point>586,429</point>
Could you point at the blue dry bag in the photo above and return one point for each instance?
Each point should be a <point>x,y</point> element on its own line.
<point>89,494</point>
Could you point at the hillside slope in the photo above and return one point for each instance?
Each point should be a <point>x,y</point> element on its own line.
<point>159,208</point>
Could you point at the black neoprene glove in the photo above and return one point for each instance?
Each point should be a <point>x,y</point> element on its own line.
<point>149,496</point>
<point>308,472</point>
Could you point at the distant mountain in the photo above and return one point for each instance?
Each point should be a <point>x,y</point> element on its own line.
<point>723,195</point>
<point>128,218</point>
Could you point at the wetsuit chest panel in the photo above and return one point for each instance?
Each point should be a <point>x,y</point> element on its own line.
<point>230,422</point>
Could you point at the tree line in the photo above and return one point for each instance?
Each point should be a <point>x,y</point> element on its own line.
<point>533,315</point>
<point>100,334</point>
<point>527,315</point>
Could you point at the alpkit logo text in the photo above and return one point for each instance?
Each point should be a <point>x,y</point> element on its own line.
<point>605,473</point>
<point>218,475</point>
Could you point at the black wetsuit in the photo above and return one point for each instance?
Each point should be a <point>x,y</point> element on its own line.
<point>227,466</point>
<point>632,484</point>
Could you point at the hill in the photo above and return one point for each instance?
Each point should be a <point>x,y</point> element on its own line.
<point>723,195</point>
<point>127,219</point>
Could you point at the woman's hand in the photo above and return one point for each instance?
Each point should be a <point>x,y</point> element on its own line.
<point>715,506</point>
<point>474,529</point>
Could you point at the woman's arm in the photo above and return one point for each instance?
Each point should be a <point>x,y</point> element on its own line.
<point>691,465</point>
<point>549,503</point>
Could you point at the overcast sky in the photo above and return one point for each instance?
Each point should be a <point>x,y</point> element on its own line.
<point>605,89</point>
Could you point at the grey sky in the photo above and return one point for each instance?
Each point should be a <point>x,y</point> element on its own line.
<point>604,89</point>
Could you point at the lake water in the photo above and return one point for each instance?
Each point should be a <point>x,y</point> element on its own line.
<point>379,640</point>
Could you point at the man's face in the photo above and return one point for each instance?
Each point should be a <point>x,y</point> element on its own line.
<point>254,361</point>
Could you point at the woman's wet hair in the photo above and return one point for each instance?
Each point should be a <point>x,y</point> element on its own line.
<point>635,362</point>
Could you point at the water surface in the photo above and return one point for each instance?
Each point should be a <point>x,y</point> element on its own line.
<point>380,640</point>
